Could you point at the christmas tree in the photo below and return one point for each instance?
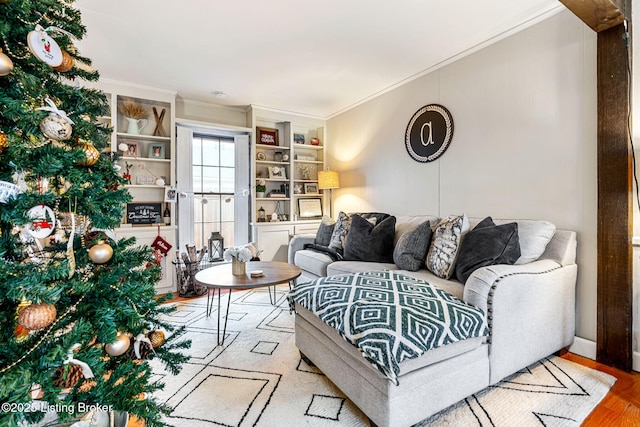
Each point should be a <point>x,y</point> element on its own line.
<point>78,318</point>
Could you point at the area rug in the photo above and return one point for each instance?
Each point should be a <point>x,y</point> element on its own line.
<point>258,379</point>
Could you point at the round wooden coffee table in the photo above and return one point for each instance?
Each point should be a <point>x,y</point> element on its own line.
<point>219,277</point>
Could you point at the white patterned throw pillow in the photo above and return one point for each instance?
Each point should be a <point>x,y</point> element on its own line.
<point>445,244</point>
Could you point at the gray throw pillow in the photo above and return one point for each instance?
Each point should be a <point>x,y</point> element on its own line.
<point>340,231</point>
<point>487,244</point>
<point>411,250</point>
<point>445,243</point>
<point>369,242</point>
<point>325,231</point>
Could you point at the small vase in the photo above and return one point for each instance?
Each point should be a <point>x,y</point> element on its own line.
<point>260,194</point>
<point>134,126</point>
<point>238,268</point>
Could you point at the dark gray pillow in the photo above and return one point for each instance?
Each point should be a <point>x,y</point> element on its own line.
<point>487,244</point>
<point>325,231</point>
<point>368,242</point>
<point>411,250</point>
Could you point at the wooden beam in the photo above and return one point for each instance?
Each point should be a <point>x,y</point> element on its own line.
<point>599,15</point>
<point>615,215</point>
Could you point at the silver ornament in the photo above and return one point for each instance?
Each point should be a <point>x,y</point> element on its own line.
<point>6,65</point>
<point>119,346</point>
<point>56,127</point>
<point>100,253</point>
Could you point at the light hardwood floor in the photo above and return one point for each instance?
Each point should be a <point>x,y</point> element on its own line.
<point>621,406</point>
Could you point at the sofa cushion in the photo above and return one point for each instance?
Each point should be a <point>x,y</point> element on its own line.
<point>487,244</point>
<point>368,242</point>
<point>348,267</point>
<point>534,237</point>
<point>312,261</point>
<point>325,231</point>
<point>405,223</point>
<point>340,231</point>
<point>410,252</point>
<point>445,244</point>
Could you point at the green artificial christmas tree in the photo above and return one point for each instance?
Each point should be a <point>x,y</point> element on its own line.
<point>78,318</point>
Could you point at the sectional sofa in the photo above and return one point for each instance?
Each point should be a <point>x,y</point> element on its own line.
<point>529,308</point>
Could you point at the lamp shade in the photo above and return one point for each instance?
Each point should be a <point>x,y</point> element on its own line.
<point>328,179</point>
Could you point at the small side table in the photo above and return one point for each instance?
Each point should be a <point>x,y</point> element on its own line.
<point>219,277</point>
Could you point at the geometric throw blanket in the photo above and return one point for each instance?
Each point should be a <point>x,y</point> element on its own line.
<point>388,316</point>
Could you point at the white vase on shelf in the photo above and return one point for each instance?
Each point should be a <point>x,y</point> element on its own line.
<point>134,126</point>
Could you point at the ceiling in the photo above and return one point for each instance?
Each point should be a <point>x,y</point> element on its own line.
<point>317,57</point>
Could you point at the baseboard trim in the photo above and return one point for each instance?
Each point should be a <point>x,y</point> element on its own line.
<point>584,347</point>
<point>587,348</point>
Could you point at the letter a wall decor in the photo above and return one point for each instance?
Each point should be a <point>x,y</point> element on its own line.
<point>429,133</point>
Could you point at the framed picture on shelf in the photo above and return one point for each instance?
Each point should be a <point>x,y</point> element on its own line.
<point>156,150</point>
<point>309,208</point>
<point>277,172</point>
<point>311,188</point>
<point>267,136</point>
<point>298,138</point>
<point>133,149</point>
<point>170,195</point>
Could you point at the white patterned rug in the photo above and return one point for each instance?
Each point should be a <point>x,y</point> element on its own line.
<point>258,379</point>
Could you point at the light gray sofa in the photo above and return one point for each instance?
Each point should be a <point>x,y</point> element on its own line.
<point>530,312</point>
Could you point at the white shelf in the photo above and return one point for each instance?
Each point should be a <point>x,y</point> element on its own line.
<point>145,137</point>
<point>145,159</point>
<point>272,147</point>
<point>317,162</point>
<point>270,162</point>
<point>308,147</point>
<point>155,187</point>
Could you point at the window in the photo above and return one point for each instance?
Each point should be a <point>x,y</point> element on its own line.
<point>213,188</point>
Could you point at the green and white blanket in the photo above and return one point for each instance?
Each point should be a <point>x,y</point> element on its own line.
<point>388,316</point>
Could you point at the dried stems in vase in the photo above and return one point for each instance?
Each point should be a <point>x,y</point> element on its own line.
<point>133,110</point>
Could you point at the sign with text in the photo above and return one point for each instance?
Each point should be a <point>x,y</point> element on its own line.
<point>144,213</point>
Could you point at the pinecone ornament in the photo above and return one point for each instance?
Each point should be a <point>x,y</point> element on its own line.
<point>145,351</point>
<point>67,376</point>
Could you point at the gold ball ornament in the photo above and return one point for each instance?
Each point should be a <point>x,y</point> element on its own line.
<point>56,127</point>
<point>6,65</point>
<point>156,338</point>
<point>37,316</point>
<point>119,346</point>
<point>4,141</point>
<point>91,153</point>
<point>67,63</point>
<point>100,253</point>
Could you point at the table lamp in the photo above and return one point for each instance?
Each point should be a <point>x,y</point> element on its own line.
<point>328,180</point>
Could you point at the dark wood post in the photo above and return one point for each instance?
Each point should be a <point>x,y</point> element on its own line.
<point>615,202</point>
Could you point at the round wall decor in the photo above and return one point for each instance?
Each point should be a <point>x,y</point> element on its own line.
<point>429,133</point>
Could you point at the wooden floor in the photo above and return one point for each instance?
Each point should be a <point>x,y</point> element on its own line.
<point>619,408</point>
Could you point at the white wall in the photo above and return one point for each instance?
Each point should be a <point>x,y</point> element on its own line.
<point>524,143</point>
